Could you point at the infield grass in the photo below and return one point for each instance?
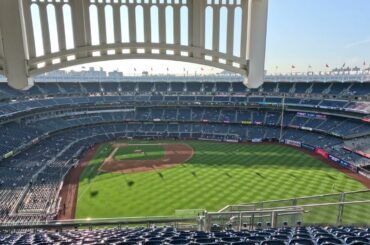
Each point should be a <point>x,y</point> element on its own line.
<point>218,174</point>
<point>140,152</point>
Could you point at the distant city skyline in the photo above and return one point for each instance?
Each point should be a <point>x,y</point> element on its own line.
<point>303,35</point>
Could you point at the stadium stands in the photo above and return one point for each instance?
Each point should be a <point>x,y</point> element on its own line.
<point>167,235</point>
<point>45,129</point>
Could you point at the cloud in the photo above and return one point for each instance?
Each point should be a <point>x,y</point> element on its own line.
<point>357,43</point>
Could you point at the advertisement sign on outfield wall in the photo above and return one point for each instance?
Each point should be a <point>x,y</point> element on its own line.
<point>247,122</point>
<point>314,115</point>
<point>342,163</point>
<point>293,143</point>
<point>256,140</point>
<point>308,147</point>
<point>232,140</point>
<point>321,152</point>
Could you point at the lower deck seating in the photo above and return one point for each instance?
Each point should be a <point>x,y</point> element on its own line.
<point>279,236</point>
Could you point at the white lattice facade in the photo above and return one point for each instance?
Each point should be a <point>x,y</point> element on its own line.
<point>39,36</point>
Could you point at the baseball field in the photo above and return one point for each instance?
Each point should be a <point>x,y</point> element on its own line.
<point>137,178</point>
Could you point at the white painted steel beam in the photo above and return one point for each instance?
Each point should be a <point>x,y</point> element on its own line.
<point>14,44</point>
<point>18,58</point>
<point>256,42</point>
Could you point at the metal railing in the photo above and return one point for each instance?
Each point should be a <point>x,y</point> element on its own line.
<point>347,208</point>
<point>239,220</point>
<point>90,224</point>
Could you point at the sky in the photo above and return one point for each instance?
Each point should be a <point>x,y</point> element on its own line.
<point>316,33</point>
<point>306,34</point>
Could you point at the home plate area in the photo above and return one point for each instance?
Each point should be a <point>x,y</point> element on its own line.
<point>132,158</point>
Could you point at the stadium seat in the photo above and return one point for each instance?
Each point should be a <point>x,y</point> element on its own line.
<point>329,240</point>
<point>301,241</point>
<point>273,242</point>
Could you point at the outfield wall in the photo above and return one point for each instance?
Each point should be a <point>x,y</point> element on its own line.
<point>323,153</point>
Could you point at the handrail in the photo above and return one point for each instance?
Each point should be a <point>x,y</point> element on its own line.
<point>97,222</point>
<point>307,197</point>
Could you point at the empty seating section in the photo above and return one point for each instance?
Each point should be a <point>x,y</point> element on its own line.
<point>6,91</point>
<point>258,117</point>
<point>314,122</point>
<point>359,89</point>
<point>50,88</point>
<point>222,87</point>
<point>161,87</point>
<point>336,89</point>
<point>184,114</point>
<point>312,235</point>
<point>334,103</point>
<point>277,100</point>
<point>221,99</point>
<point>256,99</point>
<point>239,99</point>
<point>320,88</point>
<point>128,87</point>
<point>228,115</point>
<point>244,116</point>
<point>269,87</point>
<point>299,121</point>
<point>272,118</point>
<point>110,87</point>
<point>72,88</point>
<point>292,101</point>
<point>285,87</point>
<point>194,87</point>
<point>208,87</point>
<point>310,102</point>
<point>145,87</point>
<point>339,88</point>
<point>301,87</point>
<point>238,88</point>
<point>91,87</point>
<point>177,87</point>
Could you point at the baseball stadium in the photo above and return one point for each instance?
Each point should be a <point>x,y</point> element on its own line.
<point>231,154</point>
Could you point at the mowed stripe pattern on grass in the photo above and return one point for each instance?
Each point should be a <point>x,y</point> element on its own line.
<point>217,175</point>
<point>140,152</point>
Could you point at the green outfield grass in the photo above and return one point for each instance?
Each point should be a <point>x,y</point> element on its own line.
<point>218,174</point>
<point>149,152</point>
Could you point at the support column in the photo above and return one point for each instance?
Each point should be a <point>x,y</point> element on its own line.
<point>147,28</point>
<point>162,26</point>
<point>1,55</point>
<point>196,27</point>
<point>256,42</point>
<point>14,44</point>
<point>81,25</point>
<point>132,26</point>
<point>216,31</point>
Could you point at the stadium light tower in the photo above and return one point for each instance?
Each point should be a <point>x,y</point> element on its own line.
<point>38,36</point>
